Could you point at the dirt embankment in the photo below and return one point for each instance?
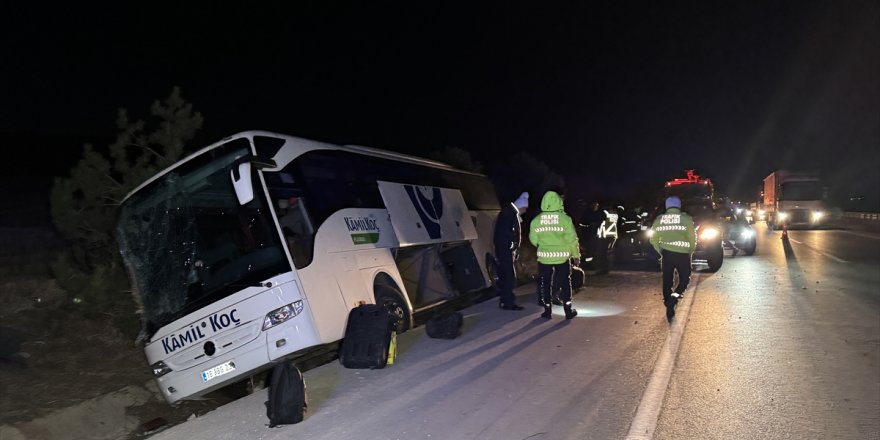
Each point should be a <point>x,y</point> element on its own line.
<point>54,362</point>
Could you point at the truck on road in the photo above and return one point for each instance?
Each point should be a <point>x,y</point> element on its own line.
<point>794,198</point>
<point>697,196</point>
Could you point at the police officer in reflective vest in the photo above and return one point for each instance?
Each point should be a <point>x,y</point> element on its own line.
<point>553,233</point>
<point>674,239</point>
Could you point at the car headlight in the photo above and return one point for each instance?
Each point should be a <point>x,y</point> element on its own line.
<point>783,215</point>
<point>160,369</point>
<point>708,234</point>
<point>649,233</point>
<point>282,314</point>
<point>817,215</point>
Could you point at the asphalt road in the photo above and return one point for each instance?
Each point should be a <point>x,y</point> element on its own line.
<point>781,344</point>
<point>784,344</point>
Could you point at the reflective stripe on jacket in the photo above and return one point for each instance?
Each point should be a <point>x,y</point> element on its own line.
<point>553,233</point>
<point>674,232</point>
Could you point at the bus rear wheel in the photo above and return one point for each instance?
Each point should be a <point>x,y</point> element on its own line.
<point>392,299</point>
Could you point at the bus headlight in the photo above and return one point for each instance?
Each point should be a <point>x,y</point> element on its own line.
<point>160,369</point>
<point>708,234</point>
<point>783,215</point>
<point>817,215</point>
<point>282,314</point>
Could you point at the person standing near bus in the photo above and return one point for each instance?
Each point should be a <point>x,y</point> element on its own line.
<point>675,240</point>
<point>552,232</point>
<point>594,222</point>
<point>508,233</point>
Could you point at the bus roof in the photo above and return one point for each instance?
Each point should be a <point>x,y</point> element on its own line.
<point>302,145</point>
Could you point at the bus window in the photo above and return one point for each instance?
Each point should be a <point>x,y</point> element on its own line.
<point>297,229</point>
<point>297,223</point>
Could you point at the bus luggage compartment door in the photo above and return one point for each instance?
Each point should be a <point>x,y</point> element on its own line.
<point>424,275</point>
<point>463,267</point>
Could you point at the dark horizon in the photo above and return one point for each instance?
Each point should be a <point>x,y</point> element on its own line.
<point>615,99</point>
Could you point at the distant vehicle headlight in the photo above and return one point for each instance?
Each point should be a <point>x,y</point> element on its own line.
<point>783,215</point>
<point>748,212</point>
<point>817,215</point>
<point>709,233</point>
<point>739,210</point>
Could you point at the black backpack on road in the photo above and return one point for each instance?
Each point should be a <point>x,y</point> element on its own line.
<point>287,396</point>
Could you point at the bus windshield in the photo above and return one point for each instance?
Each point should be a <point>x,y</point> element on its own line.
<point>188,243</point>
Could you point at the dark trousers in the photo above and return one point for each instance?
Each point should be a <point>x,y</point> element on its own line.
<point>555,277</point>
<point>672,262</point>
<point>506,276</point>
<point>600,259</point>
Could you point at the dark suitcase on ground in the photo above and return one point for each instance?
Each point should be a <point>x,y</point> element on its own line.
<point>445,326</point>
<point>367,337</point>
<point>577,278</point>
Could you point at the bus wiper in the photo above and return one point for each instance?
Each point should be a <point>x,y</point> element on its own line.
<point>254,284</point>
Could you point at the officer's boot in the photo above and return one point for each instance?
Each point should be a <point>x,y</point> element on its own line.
<point>569,311</point>
<point>548,310</point>
<point>544,295</point>
<point>670,307</point>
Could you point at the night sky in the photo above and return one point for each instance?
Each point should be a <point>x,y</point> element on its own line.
<point>614,97</point>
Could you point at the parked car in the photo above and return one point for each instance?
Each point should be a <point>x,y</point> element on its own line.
<point>745,212</point>
<point>737,232</point>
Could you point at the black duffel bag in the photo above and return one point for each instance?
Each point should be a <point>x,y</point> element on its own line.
<point>445,326</point>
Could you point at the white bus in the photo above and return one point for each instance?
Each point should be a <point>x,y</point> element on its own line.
<point>254,249</point>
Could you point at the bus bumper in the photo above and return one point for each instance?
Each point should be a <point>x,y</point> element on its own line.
<point>257,355</point>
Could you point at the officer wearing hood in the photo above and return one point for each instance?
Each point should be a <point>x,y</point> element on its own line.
<point>552,232</point>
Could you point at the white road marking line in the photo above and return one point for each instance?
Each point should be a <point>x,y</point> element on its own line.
<point>838,259</point>
<point>861,234</point>
<point>645,421</point>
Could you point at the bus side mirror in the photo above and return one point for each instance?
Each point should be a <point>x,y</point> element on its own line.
<point>241,182</point>
<point>241,176</point>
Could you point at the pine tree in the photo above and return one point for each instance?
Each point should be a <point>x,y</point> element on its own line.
<point>458,158</point>
<point>84,206</point>
<point>523,172</point>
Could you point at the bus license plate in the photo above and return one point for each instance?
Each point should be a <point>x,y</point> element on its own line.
<point>219,370</point>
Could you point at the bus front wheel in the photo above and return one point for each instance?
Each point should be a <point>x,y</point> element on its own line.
<point>391,298</point>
